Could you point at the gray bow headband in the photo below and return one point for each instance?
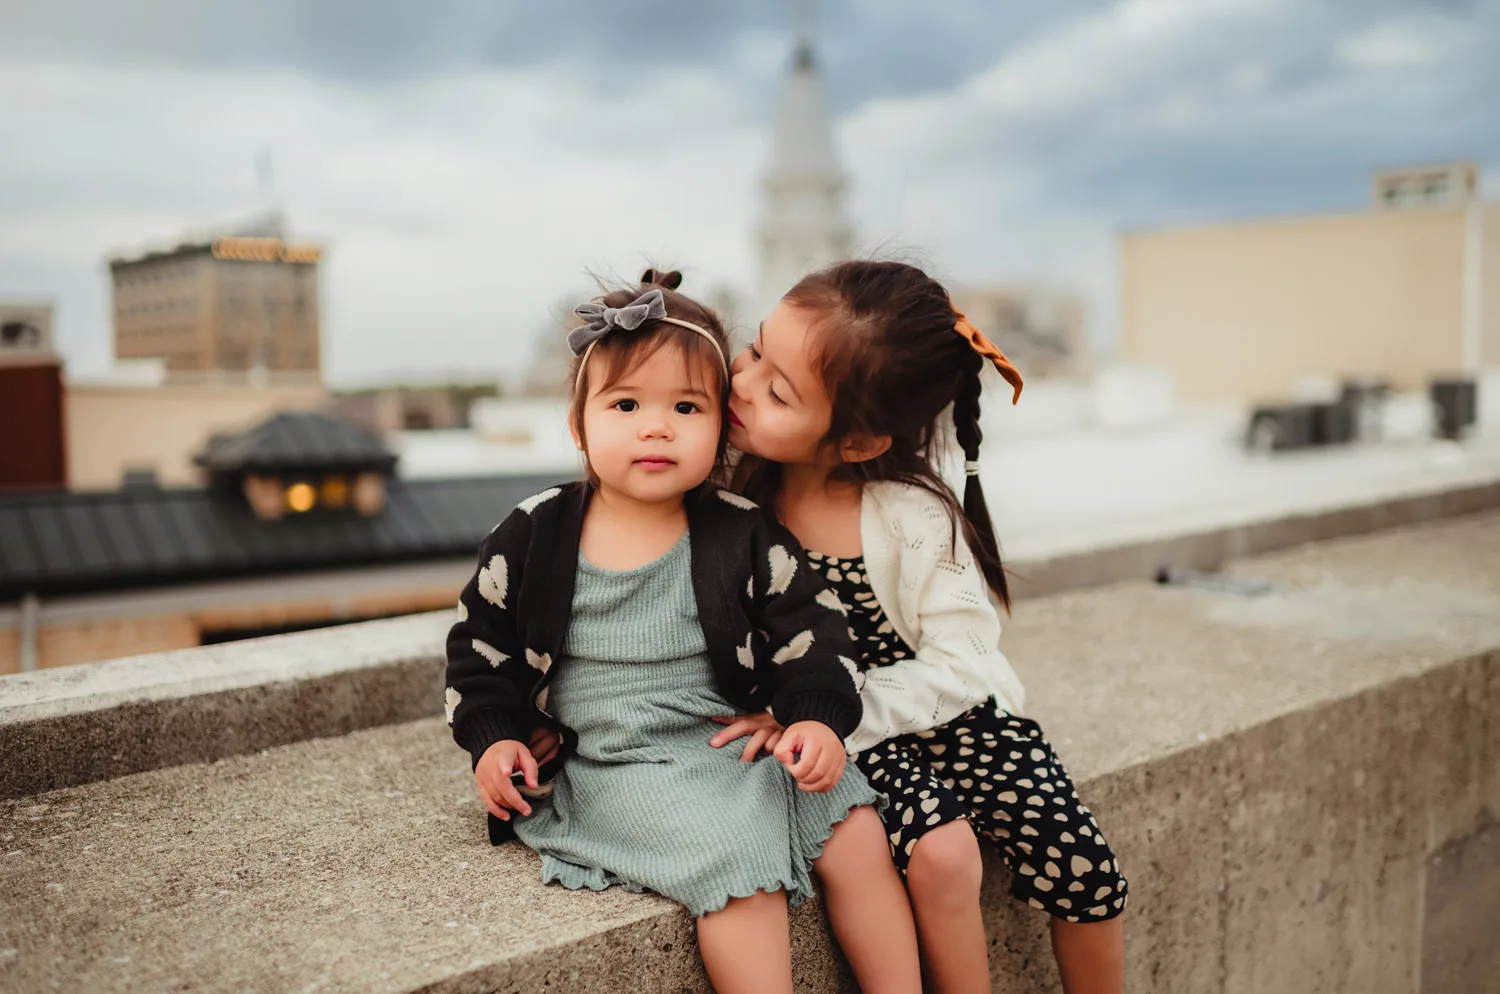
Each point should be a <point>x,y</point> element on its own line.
<point>649,306</point>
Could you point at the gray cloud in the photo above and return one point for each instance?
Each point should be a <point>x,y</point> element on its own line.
<point>1273,114</point>
<point>871,49</point>
<point>462,152</point>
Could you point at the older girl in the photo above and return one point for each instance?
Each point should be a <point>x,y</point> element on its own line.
<point>839,406</point>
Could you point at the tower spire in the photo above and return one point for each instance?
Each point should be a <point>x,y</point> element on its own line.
<point>803,226</point>
<point>802,57</point>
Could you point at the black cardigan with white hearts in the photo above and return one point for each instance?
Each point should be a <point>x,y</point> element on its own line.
<point>777,638</point>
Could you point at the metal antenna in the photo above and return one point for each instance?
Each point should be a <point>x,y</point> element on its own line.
<point>260,366</point>
<point>263,174</point>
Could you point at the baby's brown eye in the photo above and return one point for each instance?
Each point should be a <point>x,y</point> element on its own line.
<point>625,406</point>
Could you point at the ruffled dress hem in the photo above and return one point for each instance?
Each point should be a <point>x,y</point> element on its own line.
<point>575,877</point>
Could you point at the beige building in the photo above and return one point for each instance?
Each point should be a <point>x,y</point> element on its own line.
<point>115,429</point>
<point>225,303</point>
<point>1406,290</point>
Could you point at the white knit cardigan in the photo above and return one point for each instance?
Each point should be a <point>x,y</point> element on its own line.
<point>935,596</point>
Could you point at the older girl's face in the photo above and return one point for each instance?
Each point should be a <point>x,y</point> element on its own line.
<point>779,408</point>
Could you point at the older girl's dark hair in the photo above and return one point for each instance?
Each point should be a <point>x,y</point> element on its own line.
<point>620,351</point>
<point>892,363</point>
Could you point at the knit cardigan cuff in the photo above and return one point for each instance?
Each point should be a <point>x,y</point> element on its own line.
<point>483,729</point>
<point>833,709</point>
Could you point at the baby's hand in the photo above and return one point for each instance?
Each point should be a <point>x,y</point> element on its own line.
<point>764,732</point>
<point>493,777</point>
<point>821,763</point>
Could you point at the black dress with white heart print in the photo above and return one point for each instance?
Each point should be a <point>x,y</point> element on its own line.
<point>989,766</point>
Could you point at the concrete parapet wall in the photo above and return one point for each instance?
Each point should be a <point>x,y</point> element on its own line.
<point>1210,546</point>
<point>206,703</point>
<point>1301,785</point>
<point>84,723</point>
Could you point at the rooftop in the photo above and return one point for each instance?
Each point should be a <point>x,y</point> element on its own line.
<point>297,439</point>
<point>1057,486</point>
<point>1298,784</point>
<point>57,542</point>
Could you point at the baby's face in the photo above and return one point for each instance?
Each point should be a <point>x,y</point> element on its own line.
<point>779,408</point>
<point>654,434</point>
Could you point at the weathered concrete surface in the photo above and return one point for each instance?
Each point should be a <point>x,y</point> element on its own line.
<point>355,863</point>
<point>229,699</point>
<point>1459,948</point>
<point>1210,541</point>
<point>78,724</point>
<point>1276,774</point>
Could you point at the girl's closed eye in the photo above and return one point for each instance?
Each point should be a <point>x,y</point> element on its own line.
<point>770,387</point>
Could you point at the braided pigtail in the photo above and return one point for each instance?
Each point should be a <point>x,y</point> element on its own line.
<point>978,528</point>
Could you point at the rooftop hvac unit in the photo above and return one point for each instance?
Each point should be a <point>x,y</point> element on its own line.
<point>1455,406</point>
<point>25,330</point>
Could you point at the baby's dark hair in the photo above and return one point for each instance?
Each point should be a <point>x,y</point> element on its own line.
<point>620,351</point>
<point>892,362</point>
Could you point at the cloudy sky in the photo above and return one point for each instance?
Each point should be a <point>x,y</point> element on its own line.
<point>468,161</point>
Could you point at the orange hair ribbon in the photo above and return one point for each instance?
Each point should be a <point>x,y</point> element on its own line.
<point>988,349</point>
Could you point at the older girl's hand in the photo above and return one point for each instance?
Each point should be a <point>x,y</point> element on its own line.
<point>814,754</point>
<point>543,744</point>
<point>764,731</point>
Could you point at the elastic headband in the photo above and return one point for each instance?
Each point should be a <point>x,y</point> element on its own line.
<point>649,306</point>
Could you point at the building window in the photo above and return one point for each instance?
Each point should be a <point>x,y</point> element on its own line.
<point>336,491</point>
<point>301,497</point>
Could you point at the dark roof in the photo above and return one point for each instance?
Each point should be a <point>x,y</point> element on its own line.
<point>181,249</point>
<point>60,542</point>
<point>297,440</point>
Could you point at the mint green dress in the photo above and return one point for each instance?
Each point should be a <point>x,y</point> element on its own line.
<point>646,802</point>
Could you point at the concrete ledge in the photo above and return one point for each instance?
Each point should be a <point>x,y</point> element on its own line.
<point>77,724</point>
<point>1279,774</point>
<point>1209,546</point>
<point>197,704</point>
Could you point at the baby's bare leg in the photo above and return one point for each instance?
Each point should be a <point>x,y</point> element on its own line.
<point>747,946</point>
<point>867,906</point>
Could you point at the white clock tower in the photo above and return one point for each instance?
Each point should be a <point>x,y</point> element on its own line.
<point>803,226</point>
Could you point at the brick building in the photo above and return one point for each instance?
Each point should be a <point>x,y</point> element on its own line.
<point>33,447</point>
<point>231,303</point>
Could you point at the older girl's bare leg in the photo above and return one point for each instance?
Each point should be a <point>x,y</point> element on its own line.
<point>943,878</point>
<point>1090,955</point>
